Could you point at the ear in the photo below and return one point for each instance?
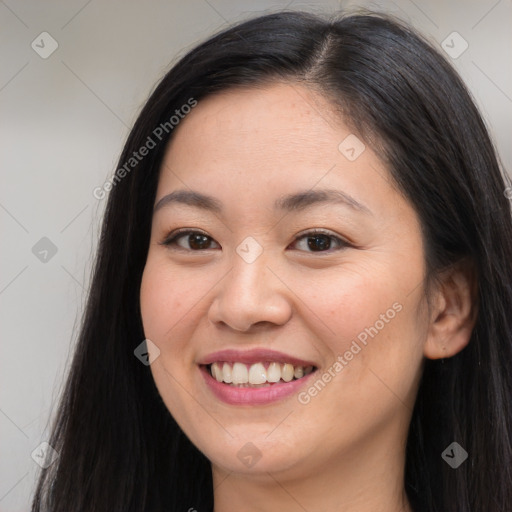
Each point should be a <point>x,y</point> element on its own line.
<point>453,313</point>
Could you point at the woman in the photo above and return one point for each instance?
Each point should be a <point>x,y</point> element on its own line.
<point>303,288</point>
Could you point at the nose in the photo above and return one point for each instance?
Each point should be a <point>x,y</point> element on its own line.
<point>250,296</point>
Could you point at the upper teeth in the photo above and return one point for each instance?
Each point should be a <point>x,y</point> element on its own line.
<point>240,373</point>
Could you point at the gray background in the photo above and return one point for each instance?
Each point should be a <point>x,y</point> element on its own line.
<point>64,121</point>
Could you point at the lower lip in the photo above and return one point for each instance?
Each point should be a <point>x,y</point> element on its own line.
<point>253,396</point>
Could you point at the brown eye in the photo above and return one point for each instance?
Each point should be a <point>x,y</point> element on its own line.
<point>319,242</point>
<point>316,241</point>
<point>198,241</point>
<point>190,241</point>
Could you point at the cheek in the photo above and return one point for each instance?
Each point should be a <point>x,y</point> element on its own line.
<point>346,303</point>
<point>162,304</point>
<point>173,307</point>
<point>370,326</point>
<point>167,324</point>
<point>155,303</point>
<point>380,365</point>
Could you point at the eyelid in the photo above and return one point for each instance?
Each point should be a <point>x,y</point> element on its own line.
<point>343,242</point>
<point>321,231</point>
<point>177,233</point>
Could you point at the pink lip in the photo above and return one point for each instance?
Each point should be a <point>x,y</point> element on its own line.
<point>252,396</point>
<point>252,356</point>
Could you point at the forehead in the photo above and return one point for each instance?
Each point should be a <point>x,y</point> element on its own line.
<point>279,118</point>
<point>254,130</point>
<point>251,145</point>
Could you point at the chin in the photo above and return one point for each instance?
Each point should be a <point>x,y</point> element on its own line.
<point>253,454</point>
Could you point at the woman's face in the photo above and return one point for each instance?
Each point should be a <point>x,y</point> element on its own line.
<point>296,256</point>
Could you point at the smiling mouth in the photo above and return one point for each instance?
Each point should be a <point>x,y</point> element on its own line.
<point>257,375</point>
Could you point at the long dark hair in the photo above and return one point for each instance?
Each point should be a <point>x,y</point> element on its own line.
<point>120,449</point>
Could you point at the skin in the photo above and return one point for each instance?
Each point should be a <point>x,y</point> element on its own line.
<point>345,448</point>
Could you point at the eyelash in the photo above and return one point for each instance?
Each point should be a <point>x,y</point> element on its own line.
<point>172,238</point>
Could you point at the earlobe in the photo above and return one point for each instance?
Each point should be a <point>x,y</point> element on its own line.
<point>454,313</point>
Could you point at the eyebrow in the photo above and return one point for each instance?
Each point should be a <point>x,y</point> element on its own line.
<point>293,202</point>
